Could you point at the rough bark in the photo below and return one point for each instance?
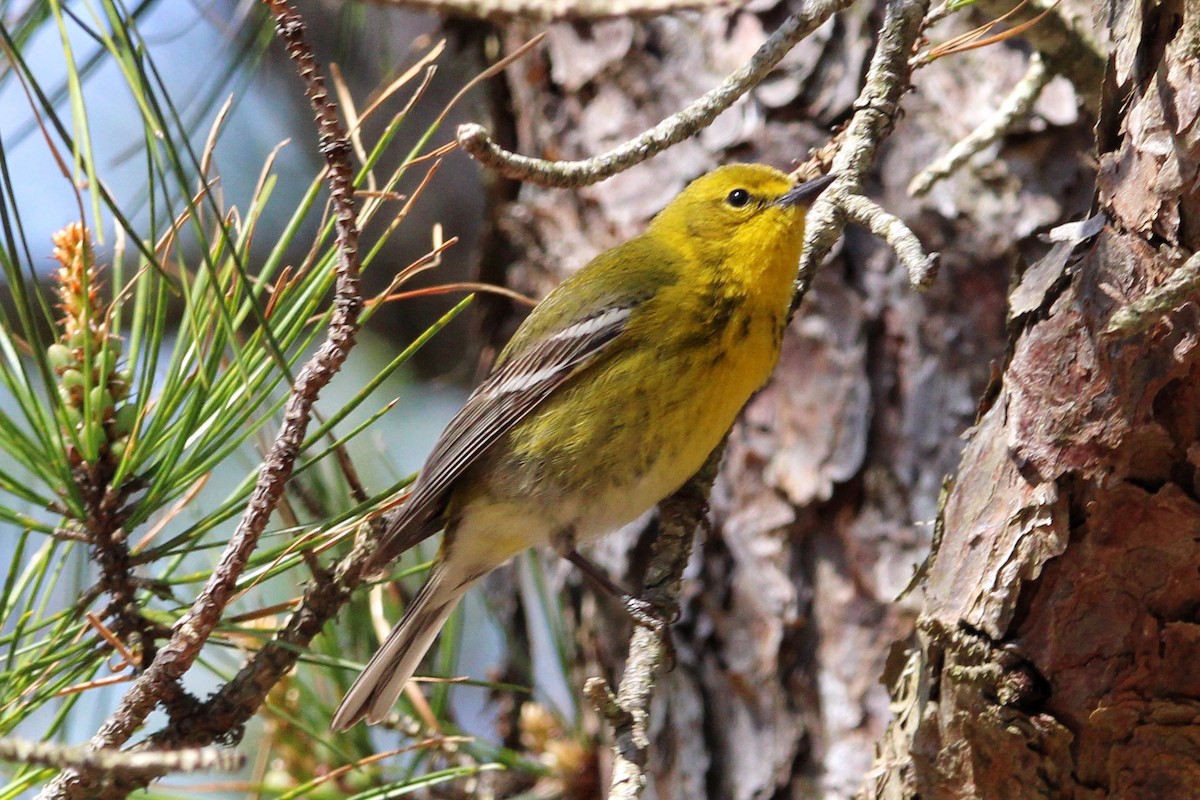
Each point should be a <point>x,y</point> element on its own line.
<point>1058,652</point>
<point>832,481</point>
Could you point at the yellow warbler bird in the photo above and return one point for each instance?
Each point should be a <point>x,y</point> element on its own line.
<point>611,394</point>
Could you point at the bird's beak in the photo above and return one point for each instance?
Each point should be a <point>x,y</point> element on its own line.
<point>805,193</point>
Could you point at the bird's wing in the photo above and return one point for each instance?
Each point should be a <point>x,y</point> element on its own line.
<point>516,387</point>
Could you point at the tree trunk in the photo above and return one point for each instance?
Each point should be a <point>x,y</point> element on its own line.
<point>1059,654</point>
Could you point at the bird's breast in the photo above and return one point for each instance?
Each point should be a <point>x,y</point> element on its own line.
<point>631,429</point>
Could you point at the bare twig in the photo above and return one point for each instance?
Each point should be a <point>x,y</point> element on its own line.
<point>888,78</point>
<point>674,129</point>
<point>87,759</point>
<point>176,657</point>
<point>1016,107</point>
<point>921,267</point>
<point>546,10</point>
<point>629,710</point>
<point>237,700</point>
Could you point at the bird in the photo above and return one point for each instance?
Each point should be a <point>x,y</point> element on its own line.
<point>608,397</point>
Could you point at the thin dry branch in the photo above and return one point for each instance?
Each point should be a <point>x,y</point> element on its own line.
<point>672,130</point>
<point>547,10</point>
<point>628,711</point>
<point>1016,107</point>
<point>921,266</point>
<point>238,699</point>
<point>88,759</point>
<point>160,680</point>
<point>888,78</point>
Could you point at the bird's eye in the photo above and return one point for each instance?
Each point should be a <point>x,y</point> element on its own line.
<point>738,198</point>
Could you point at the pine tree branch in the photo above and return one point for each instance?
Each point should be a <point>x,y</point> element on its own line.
<point>161,677</point>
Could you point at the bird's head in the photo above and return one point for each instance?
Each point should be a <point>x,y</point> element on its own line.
<point>741,212</point>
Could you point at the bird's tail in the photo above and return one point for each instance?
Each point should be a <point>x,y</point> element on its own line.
<point>381,682</point>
